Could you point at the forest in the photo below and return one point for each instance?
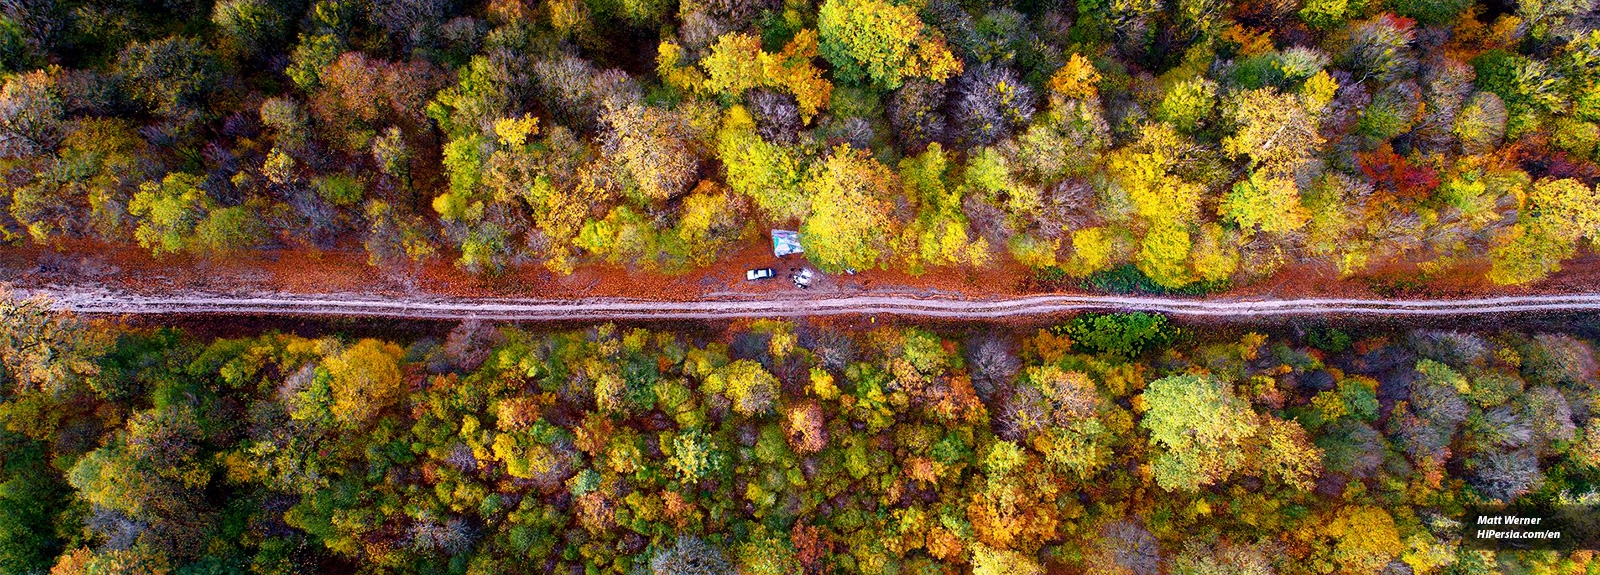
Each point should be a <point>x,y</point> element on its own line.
<point>1120,444</point>
<point>1186,145</point>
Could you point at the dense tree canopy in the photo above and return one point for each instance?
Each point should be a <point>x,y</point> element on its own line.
<point>769,447</point>
<point>1124,146</point>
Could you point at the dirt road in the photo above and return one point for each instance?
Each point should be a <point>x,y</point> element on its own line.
<point>99,301</point>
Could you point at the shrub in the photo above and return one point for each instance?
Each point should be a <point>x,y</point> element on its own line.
<point>1124,335</point>
<point>1331,340</point>
<point>339,189</point>
<point>1128,279</point>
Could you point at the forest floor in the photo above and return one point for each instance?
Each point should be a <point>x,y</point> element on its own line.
<point>346,273</point>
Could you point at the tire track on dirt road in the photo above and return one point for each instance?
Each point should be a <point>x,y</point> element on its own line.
<point>104,302</point>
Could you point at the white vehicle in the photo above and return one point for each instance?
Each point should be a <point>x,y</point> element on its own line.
<point>759,274</point>
<point>802,278</point>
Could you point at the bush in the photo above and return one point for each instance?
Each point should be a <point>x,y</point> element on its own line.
<point>1125,335</point>
<point>339,189</point>
<point>1329,339</point>
<point>1049,275</point>
<point>1128,279</point>
<point>1432,12</point>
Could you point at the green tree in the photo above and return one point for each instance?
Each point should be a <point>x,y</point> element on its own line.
<point>310,56</point>
<point>1555,215</point>
<point>393,237</point>
<point>1365,539</point>
<point>285,117</point>
<point>1283,453</point>
<point>770,174</point>
<point>693,455</point>
<point>31,497</point>
<point>43,350</point>
<point>249,27</point>
<point>1481,123</point>
<point>1434,12</point>
<point>1187,104</point>
<point>1393,111</point>
<point>734,64</point>
<point>169,75</point>
<point>1123,335</point>
<point>1164,255</point>
<point>168,212</point>
<point>712,220</point>
<point>1331,14</point>
<point>153,472</point>
<point>750,388</point>
<point>883,42</point>
<point>31,114</point>
<point>987,561</point>
<point>939,235</point>
<point>1201,427</point>
<point>227,229</point>
<point>737,64</point>
<point>1266,204</point>
<point>1528,87</point>
<point>768,555</point>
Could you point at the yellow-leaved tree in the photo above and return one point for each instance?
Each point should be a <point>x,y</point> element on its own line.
<point>849,226</point>
<point>1264,203</point>
<point>1553,217</point>
<point>767,173</point>
<point>364,379</point>
<point>939,235</point>
<point>737,63</point>
<point>883,42</point>
<point>1364,539</point>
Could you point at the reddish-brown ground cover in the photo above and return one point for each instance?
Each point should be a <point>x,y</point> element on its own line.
<point>346,270</point>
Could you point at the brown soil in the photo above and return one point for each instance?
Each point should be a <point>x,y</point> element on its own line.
<point>346,270</point>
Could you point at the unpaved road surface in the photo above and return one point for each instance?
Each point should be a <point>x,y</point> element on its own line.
<point>99,301</point>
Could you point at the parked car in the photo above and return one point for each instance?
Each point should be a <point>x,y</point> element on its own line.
<point>802,278</point>
<point>760,274</point>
